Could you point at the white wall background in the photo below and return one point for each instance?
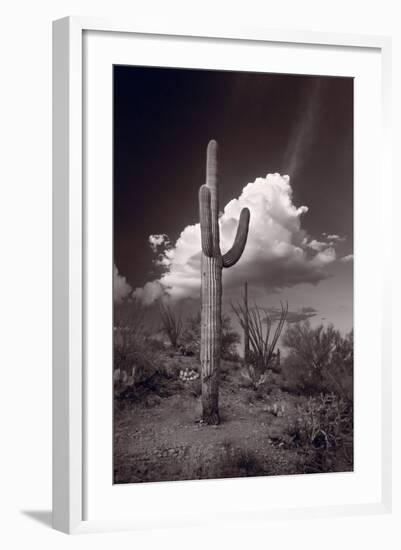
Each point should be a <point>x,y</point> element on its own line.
<point>25,218</point>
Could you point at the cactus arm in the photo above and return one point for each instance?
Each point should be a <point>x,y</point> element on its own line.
<point>205,217</point>
<point>234,254</point>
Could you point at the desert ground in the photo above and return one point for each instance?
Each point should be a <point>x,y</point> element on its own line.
<point>274,428</point>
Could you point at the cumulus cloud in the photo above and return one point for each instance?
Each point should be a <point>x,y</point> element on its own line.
<point>317,245</point>
<point>121,289</point>
<point>150,292</point>
<point>278,253</point>
<point>156,241</point>
<point>335,238</point>
<point>308,309</point>
<point>301,314</point>
<point>326,256</point>
<point>348,258</point>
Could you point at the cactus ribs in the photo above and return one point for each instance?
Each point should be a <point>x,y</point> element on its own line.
<point>213,261</point>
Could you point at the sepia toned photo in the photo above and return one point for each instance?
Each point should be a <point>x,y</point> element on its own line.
<point>233,274</point>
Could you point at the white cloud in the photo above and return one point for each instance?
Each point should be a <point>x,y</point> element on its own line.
<point>278,252</point>
<point>121,289</point>
<point>150,292</point>
<point>337,238</point>
<point>324,257</point>
<point>157,241</point>
<point>317,245</point>
<point>348,258</point>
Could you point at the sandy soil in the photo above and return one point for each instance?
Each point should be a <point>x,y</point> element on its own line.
<point>157,436</point>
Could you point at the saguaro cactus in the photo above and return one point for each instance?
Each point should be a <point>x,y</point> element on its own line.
<point>246,326</point>
<point>213,261</point>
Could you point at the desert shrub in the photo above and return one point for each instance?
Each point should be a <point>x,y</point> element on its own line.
<point>339,376</point>
<point>323,425</point>
<point>195,388</point>
<point>128,318</point>
<point>154,344</point>
<point>236,461</point>
<point>229,338</point>
<point>248,463</point>
<point>139,360</point>
<point>254,378</point>
<point>190,338</point>
<point>326,420</point>
<point>171,323</point>
<point>134,365</point>
<point>130,361</point>
<point>292,379</point>
<point>319,360</point>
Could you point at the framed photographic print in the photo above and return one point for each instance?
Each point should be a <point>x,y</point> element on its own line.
<point>220,329</point>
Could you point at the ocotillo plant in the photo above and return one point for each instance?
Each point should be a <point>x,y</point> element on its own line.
<point>253,321</point>
<point>172,323</point>
<point>213,261</point>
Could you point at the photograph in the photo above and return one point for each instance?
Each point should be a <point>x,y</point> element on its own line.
<point>233,253</point>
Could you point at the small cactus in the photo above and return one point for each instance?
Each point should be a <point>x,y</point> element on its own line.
<point>213,261</point>
<point>188,375</point>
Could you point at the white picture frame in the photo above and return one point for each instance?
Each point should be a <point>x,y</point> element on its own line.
<point>70,257</point>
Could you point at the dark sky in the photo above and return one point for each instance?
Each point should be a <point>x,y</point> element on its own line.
<point>264,123</point>
<point>164,118</point>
